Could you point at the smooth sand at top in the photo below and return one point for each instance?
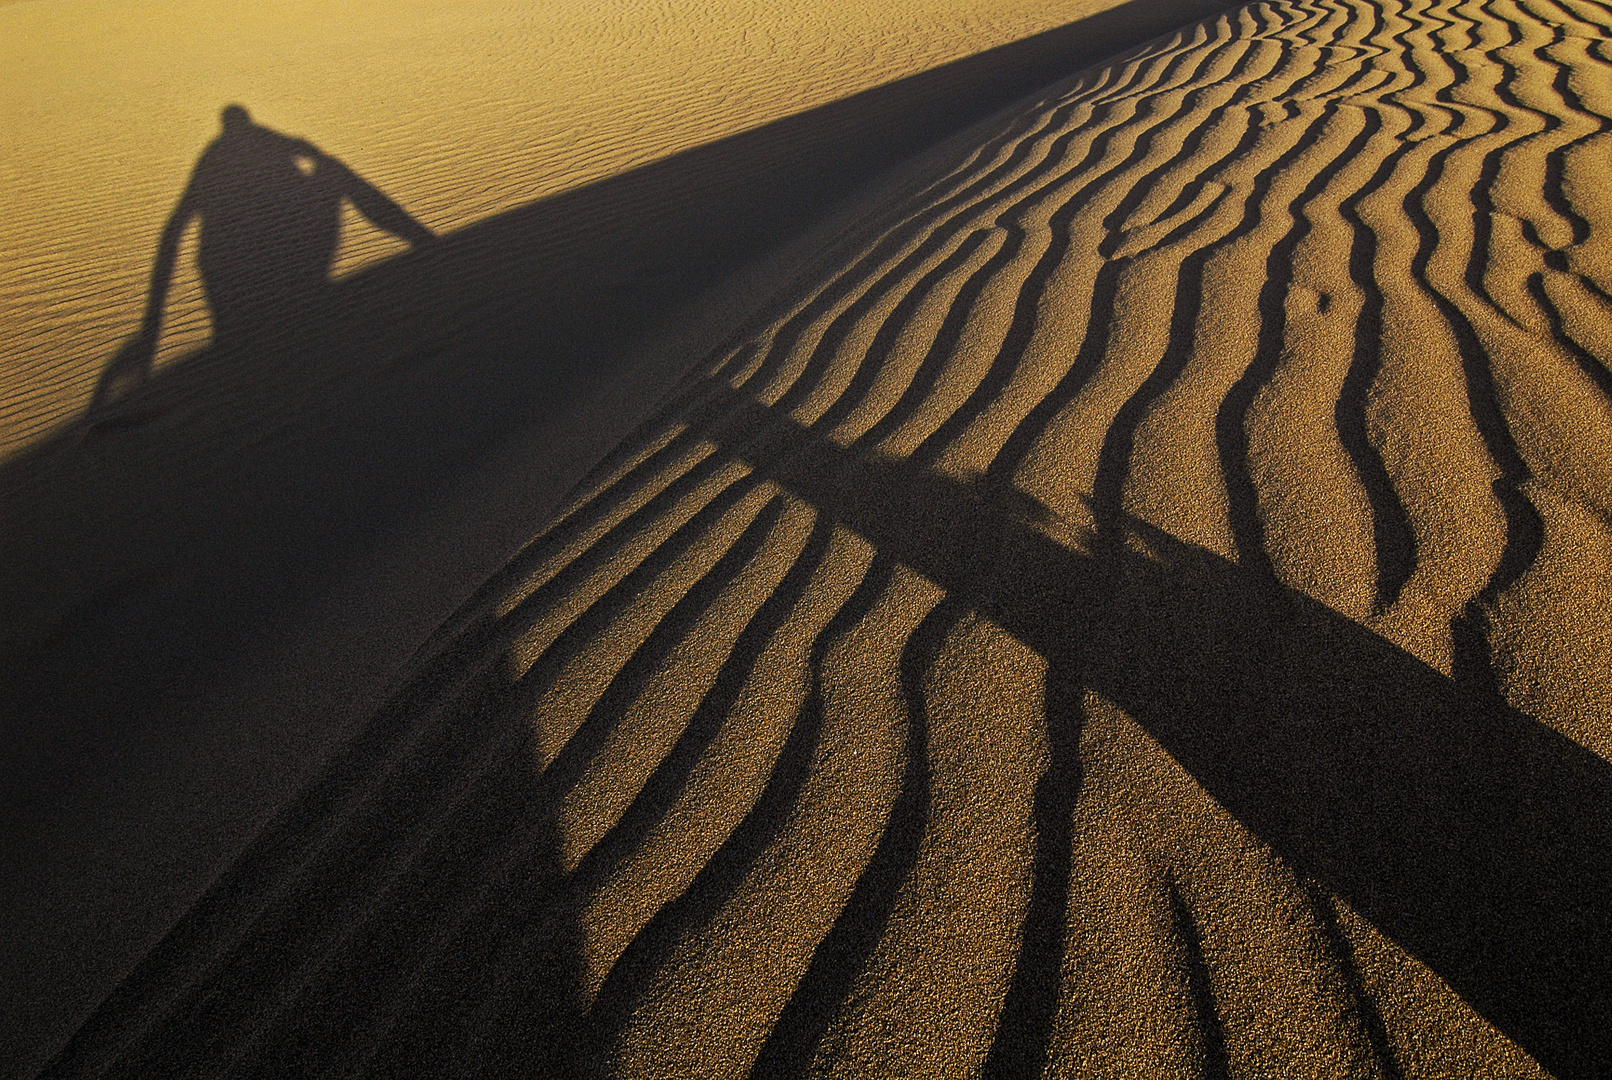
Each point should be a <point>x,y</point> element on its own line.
<point>457,111</point>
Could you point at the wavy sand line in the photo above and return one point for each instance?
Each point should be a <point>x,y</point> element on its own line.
<point>1037,748</point>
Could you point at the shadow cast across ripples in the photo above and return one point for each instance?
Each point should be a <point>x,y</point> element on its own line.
<point>1474,836</point>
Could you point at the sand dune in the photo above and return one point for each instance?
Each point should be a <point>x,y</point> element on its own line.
<point>212,584</point>
<point>1137,605</point>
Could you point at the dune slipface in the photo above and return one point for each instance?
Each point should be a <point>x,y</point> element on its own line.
<point>1138,607</point>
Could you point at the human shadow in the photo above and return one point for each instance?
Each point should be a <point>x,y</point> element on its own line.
<point>1474,836</point>
<point>270,212</point>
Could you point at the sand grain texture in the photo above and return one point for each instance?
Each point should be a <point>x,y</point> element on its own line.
<point>1134,606</point>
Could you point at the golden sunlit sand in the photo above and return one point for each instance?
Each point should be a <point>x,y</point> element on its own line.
<point>1123,588</point>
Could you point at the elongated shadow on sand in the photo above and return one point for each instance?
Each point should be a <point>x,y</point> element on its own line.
<point>143,558</point>
<point>1474,836</point>
<point>847,949</point>
<point>1024,1030</point>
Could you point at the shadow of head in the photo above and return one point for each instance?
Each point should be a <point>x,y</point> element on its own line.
<point>270,211</point>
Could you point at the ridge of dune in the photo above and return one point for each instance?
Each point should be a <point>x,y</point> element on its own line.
<point>1137,605</point>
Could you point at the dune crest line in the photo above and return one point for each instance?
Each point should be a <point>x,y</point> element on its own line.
<point>1141,605</point>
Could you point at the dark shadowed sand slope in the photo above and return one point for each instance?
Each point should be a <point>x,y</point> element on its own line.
<point>1139,607</point>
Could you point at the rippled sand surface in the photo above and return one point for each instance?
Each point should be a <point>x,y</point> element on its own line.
<point>1136,605</point>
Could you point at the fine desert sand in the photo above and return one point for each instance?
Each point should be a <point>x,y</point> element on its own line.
<point>1125,590</point>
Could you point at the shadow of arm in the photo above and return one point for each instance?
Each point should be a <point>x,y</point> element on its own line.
<point>374,203</point>
<point>133,362</point>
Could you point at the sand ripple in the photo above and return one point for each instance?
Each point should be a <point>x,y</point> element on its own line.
<point>1141,605</point>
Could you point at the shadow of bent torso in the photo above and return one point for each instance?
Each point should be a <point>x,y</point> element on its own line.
<point>270,210</point>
